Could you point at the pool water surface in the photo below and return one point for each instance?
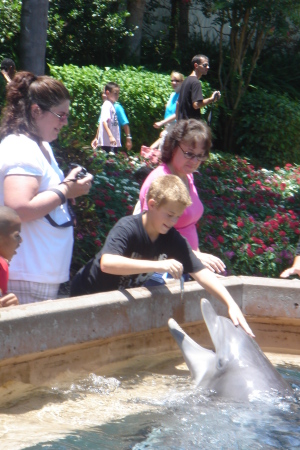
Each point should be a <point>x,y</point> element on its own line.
<point>146,403</point>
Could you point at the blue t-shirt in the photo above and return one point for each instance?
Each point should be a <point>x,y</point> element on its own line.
<point>171,105</point>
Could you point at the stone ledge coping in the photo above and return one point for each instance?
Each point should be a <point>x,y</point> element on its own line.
<point>51,325</point>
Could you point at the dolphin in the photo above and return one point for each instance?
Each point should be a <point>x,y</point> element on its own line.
<point>238,369</point>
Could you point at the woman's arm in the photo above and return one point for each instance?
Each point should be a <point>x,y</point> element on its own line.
<point>212,262</point>
<point>161,123</point>
<point>294,270</point>
<point>21,194</point>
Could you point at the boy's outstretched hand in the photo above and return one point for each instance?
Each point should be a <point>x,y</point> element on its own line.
<point>238,318</point>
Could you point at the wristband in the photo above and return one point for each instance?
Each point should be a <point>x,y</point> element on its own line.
<point>128,137</point>
<point>60,194</point>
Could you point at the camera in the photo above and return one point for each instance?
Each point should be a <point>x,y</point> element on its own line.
<point>83,173</point>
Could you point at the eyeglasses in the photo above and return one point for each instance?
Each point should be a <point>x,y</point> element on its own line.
<point>204,65</point>
<point>61,117</point>
<point>191,155</point>
<point>175,81</point>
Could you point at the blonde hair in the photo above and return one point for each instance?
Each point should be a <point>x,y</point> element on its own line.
<point>169,188</point>
<point>178,75</point>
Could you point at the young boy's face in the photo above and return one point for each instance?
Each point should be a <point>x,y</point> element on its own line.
<point>164,217</point>
<point>11,241</point>
<point>113,95</point>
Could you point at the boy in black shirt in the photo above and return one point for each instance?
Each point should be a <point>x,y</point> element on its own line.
<point>141,244</point>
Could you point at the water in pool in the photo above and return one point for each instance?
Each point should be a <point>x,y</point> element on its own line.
<point>148,404</point>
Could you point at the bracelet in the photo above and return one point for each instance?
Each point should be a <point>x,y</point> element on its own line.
<point>60,194</point>
<point>128,137</point>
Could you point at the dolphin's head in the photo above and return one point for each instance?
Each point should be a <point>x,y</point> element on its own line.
<point>237,367</point>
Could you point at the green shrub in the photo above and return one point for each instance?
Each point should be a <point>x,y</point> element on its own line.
<point>143,95</point>
<point>268,128</point>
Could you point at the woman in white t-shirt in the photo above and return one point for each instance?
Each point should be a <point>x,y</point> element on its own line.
<point>31,183</point>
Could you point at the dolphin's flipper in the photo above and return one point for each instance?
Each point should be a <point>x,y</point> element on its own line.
<point>192,352</point>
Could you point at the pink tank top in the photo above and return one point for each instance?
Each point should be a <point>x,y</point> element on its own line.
<point>186,224</point>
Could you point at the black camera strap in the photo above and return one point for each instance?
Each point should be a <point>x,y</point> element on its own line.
<point>69,223</point>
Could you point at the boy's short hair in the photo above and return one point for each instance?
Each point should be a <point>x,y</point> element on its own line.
<point>198,59</point>
<point>169,188</point>
<point>111,85</point>
<point>7,63</point>
<point>7,216</point>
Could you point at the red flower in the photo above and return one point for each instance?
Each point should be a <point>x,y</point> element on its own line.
<point>282,186</point>
<point>282,233</point>
<point>98,243</point>
<point>215,243</point>
<point>250,253</point>
<point>240,181</point>
<point>225,224</point>
<point>111,212</point>
<point>240,224</point>
<point>100,203</point>
<point>220,239</point>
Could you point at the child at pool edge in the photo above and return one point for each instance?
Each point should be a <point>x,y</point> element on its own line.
<point>10,239</point>
<point>141,244</point>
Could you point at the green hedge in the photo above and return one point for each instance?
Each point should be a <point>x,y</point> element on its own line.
<point>143,95</point>
<point>268,128</point>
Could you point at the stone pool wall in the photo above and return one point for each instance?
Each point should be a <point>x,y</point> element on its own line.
<point>109,327</point>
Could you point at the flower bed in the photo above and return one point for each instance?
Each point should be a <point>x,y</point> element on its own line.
<point>251,216</point>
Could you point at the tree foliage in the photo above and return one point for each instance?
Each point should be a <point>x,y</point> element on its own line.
<point>87,32</point>
<point>244,27</point>
<point>10,14</point>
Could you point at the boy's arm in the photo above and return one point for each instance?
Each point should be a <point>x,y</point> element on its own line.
<point>121,265</point>
<point>128,136</point>
<point>211,283</point>
<point>111,138</point>
<point>94,142</point>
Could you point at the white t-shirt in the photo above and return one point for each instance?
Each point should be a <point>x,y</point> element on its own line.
<point>109,115</point>
<point>46,251</point>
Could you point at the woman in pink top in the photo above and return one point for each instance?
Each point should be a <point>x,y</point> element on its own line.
<point>185,147</point>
